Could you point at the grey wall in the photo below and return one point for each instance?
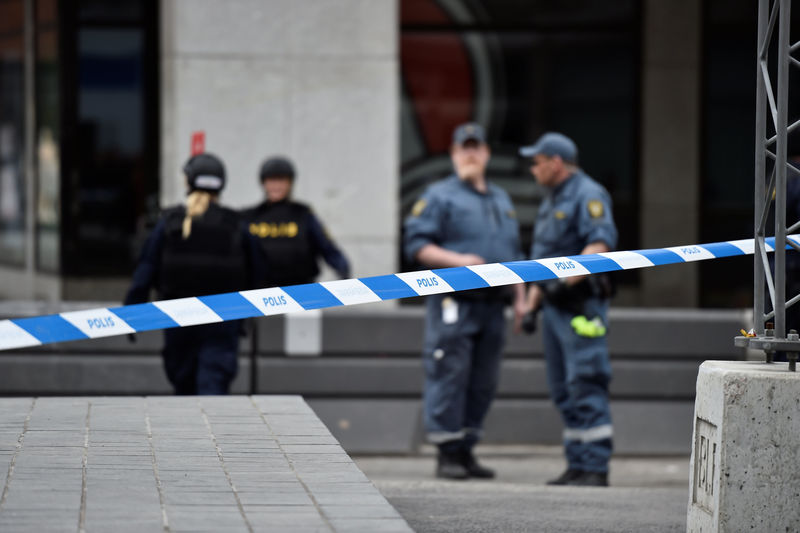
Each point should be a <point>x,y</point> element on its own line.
<point>316,81</point>
<point>670,167</point>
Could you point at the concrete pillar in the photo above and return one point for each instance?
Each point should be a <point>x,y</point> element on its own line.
<point>744,470</point>
<point>315,81</point>
<point>670,186</point>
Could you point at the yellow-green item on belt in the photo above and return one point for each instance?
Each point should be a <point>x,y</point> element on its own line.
<point>588,328</point>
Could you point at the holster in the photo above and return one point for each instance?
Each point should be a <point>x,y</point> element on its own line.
<point>571,298</point>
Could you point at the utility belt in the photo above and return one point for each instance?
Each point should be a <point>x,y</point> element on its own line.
<point>572,297</point>
<point>503,294</point>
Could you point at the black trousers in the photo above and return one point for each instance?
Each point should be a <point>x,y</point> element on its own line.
<point>202,359</point>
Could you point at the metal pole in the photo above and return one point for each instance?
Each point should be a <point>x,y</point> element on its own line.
<point>253,356</point>
<point>760,168</point>
<point>28,138</point>
<point>780,169</point>
<point>775,106</point>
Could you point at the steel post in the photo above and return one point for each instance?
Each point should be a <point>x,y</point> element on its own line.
<point>760,170</point>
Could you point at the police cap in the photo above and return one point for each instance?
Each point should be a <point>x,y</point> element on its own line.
<point>470,131</point>
<point>276,167</point>
<point>552,144</point>
<point>205,172</point>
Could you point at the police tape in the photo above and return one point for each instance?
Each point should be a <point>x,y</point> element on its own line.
<point>106,322</point>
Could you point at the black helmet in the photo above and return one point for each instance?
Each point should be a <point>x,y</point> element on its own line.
<point>205,172</point>
<point>276,167</point>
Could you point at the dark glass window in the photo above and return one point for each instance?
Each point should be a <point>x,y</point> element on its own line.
<point>12,132</point>
<point>728,153</point>
<point>520,69</point>
<point>110,141</point>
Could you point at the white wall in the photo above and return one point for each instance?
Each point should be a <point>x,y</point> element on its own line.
<point>315,80</point>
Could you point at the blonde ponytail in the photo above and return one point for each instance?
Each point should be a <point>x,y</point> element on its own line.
<point>196,204</point>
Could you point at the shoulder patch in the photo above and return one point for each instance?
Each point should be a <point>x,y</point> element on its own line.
<point>419,207</point>
<point>511,213</point>
<point>560,215</point>
<point>595,208</point>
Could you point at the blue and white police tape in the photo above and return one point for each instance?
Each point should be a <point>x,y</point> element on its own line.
<point>106,322</point>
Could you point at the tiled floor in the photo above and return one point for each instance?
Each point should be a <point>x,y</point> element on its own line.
<point>235,463</point>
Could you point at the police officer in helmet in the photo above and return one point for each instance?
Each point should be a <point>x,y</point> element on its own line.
<point>290,235</point>
<point>197,249</point>
<point>574,218</point>
<point>459,221</point>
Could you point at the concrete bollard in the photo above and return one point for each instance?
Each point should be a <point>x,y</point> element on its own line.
<point>745,469</point>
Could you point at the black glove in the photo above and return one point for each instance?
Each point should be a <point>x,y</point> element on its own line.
<point>557,293</point>
<point>132,338</point>
<point>530,322</point>
<point>566,297</point>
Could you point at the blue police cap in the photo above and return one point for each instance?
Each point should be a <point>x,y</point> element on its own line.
<point>551,144</point>
<point>470,131</point>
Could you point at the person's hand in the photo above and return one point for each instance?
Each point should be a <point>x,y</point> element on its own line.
<point>521,308</point>
<point>471,259</point>
<point>530,322</point>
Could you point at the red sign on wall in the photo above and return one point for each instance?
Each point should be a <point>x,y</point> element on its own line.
<point>198,142</point>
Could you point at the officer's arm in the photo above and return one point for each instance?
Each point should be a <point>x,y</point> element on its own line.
<point>326,247</point>
<point>435,256</point>
<point>534,297</point>
<point>424,231</point>
<point>596,226</point>
<point>144,277</point>
<point>591,248</point>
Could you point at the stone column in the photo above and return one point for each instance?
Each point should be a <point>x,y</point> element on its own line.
<point>744,474</point>
<point>670,186</point>
<point>315,81</point>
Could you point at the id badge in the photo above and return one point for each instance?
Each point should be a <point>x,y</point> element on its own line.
<point>449,311</point>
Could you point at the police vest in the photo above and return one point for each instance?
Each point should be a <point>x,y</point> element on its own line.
<point>211,260</point>
<point>282,229</point>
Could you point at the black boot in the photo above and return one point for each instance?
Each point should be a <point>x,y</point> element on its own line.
<point>473,468</point>
<point>590,479</point>
<point>567,477</point>
<point>450,466</point>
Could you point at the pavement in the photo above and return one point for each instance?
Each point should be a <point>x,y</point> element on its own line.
<point>168,464</point>
<point>267,463</point>
<point>647,494</point>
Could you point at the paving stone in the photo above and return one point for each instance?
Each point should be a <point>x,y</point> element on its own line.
<point>279,528</point>
<point>173,497</point>
<point>192,518</point>
<point>127,525</point>
<point>274,498</point>
<point>201,458</point>
<point>373,525</point>
<point>344,499</point>
<point>346,477</point>
<point>327,487</point>
<point>360,511</point>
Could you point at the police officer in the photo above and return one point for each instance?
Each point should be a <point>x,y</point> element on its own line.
<point>291,237</point>
<point>459,221</point>
<point>198,249</point>
<point>574,218</point>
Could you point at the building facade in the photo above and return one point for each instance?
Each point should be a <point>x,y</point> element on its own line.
<point>99,100</point>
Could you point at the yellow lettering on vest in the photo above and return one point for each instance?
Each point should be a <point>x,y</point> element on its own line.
<point>273,230</point>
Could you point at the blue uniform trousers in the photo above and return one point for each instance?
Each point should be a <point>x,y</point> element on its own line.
<point>202,359</point>
<point>462,366</point>
<point>578,374</point>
